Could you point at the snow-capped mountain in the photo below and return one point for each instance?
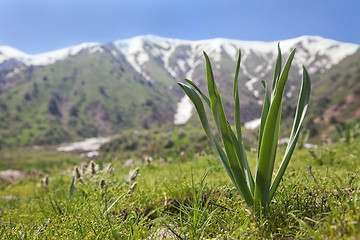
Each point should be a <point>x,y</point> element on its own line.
<point>8,53</point>
<point>153,65</point>
<point>182,59</point>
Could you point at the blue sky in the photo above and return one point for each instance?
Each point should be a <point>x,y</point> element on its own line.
<point>36,26</point>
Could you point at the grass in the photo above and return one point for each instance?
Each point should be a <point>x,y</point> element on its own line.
<point>28,159</point>
<point>198,202</point>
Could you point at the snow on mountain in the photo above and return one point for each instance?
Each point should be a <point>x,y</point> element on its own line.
<point>133,50</point>
<point>311,47</point>
<point>149,55</point>
<point>139,50</point>
<point>47,58</point>
<point>184,110</point>
<point>180,58</point>
<point>7,52</point>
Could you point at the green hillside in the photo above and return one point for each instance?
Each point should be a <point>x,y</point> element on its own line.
<point>82,96</point>
<point>103,93</point>
<point>335,97</point>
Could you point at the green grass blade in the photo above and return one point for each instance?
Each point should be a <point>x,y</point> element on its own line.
<point>112,205</point>
<point>270,139</point>
<point>72,188</point>
<point>301,109</point>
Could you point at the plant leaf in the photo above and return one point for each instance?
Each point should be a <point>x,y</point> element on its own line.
<point>276,73</point>
<point>72,188</point>
<point>236,164</point>
<point>240,144</point>
<point>237,99</point>
<point>112,205</point>
<point>264,115</point>
<point>270,139</point>
<point>199,91</point>
<point>204,121</point>
<point>301,109</point>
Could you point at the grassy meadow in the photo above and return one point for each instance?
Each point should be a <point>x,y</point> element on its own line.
<point>179,183</point>
<point>177,197</point>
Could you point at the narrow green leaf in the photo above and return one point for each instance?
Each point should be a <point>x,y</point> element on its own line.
<point>264,114</point>
<point>112,205</point>
<point>237,99</point>
<point>240,144</point>
<point>270,139</point>
<point>277,72</point>
<point>204,121</point>
<point>224,130</point>
<point>206,99</point>
<point>72,188</point>
<point>301,109</point>
<point>241,154</point>
<point>234,157</point>
<point>213,92</point>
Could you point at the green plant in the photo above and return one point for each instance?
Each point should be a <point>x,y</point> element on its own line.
<point>259,191</point>
<point>196,213</point>
<point>348,131</point>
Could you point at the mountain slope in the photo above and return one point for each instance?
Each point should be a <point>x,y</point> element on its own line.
<point>82,96</point>
<point>336,97</point>
<point>182,59</point>
<point>95,89</point>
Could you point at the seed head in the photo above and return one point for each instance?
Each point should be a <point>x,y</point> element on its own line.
<point>102,184</point>
<point>77,173</point>
<point>133,174</point>
<point>45,180</point>
<point>93,168</point>
<point>108,168</point>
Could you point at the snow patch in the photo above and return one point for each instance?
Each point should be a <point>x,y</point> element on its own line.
<point>182,65</point>
<point>114,53</point>
<point>253,124</point>
<point>232,51</point>
<point>310,146</point>
<point>89,146</point>
<point>134,51</point>
<point>13,73</point>
<point>184,110</point>
<point>290,92</point>
<point>258,68</point>
<point>96,49</point>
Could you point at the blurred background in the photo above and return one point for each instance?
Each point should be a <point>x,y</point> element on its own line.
<point>73,70</point>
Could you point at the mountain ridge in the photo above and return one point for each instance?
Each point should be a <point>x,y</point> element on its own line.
<point>8,52</point>
<point>101,89</point>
